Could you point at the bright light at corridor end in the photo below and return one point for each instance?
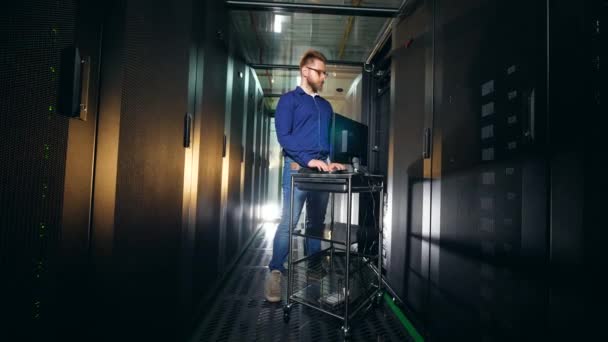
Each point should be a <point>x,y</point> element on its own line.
<point>278,20</point>
<point>271,212</point>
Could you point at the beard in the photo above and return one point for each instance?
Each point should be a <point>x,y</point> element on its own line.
<point>316,86</point>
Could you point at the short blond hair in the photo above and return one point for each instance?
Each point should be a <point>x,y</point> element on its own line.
<point>311,55</point>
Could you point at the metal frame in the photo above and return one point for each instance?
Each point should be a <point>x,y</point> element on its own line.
<point>290,278</point>
<point>297,67</point>
<point>387,31</point>
<point>312,8</point>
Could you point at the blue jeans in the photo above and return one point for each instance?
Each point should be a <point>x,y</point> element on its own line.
<point>316,206</point>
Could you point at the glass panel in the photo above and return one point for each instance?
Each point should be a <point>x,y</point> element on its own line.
<point>269,38</point>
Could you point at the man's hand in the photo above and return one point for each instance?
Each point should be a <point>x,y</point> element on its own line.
<point>336,166</point>
<point>318,164</point>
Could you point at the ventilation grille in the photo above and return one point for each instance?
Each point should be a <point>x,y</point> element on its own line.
<point>32,153</point>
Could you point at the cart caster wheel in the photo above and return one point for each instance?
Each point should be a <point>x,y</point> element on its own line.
<point>345,333</point>
<point>377,301</point>
<point>286,312</point>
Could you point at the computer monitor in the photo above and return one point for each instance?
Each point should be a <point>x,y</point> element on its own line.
<point>348,140</point>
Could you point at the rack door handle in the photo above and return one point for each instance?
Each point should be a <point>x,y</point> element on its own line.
<point>187,129</point>
<point>426,144</point>
<point>529,130</point>
<point>224,147</point>
<point>74,82</point>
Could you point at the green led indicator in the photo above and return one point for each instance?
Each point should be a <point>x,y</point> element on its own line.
<point>42,230</point>
<point>51,108</point>
<point>47,149</point>
<point>54,34</point>
<point>39,268</point>
<point>53,69</point>
<point>37,309</point>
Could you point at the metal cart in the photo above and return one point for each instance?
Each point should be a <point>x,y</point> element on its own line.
<point>336,280</point>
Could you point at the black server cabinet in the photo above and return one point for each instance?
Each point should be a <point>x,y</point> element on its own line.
<point>578,234</point>
<point>260,123</point>
<point>249,161</point>
<point>494,224</point>
<point>406,235</point>
<point>239,179</point>
<point>489,212</point>
<point>263,187</point>
<point>235,155</point>
<point>139,183</point>
<point>46,163</point>
<point>210,113</point>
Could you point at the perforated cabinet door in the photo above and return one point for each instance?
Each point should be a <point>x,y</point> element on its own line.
<point>45,193</point>
<point>140,172</point>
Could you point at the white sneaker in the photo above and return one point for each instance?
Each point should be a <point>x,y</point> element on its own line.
<point>272,289</point>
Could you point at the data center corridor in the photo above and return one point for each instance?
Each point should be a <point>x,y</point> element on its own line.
<point>139,153</point>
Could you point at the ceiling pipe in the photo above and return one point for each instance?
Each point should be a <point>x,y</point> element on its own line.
<point>347,29</point>
<point>312,8</point>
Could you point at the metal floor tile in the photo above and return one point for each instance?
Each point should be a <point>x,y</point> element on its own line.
<point>240,312</point>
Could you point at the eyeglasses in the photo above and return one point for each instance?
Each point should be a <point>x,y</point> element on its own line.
<point>319,72</point>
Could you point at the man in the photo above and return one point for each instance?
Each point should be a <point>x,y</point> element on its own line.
<point>303,121</point>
